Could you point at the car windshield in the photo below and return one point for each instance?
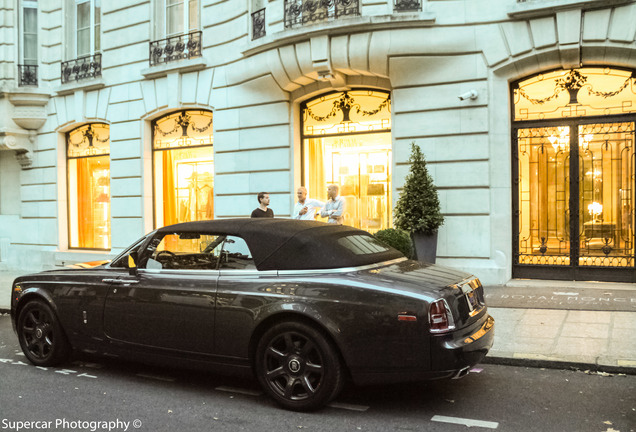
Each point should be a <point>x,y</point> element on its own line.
<point>122,259</point>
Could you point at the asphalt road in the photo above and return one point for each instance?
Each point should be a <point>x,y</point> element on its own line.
<point>94,394</point>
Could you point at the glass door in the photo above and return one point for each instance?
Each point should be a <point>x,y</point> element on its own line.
<point>575,199</point>
<point>544,195</point>
<point>606,194</point>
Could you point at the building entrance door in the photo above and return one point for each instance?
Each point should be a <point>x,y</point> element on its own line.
<point>574,215</point>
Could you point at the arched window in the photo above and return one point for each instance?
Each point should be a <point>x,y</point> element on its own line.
<point>574,174</point>
<point>88,164</point>
<point>183,156</point>
<point>347,142</point>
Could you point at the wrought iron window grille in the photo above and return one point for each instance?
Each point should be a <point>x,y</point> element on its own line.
<point>258,24</point>
<point>407,5</point>
<point>27,75</point>
<point>175,48</point>
<point>301,12</point>
<point>82,68</point>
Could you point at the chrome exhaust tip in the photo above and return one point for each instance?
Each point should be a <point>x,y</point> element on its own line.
<point>462,373</point>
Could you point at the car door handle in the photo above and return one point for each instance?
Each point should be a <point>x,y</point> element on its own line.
<point>120,281</point>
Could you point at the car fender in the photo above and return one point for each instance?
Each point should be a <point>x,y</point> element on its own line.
<point>31,293</point>
<point>279,312</point>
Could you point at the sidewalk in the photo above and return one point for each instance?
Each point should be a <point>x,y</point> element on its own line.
<point>599,341</point>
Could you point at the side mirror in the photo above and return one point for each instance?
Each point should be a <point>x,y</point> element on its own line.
<point>132,263</point>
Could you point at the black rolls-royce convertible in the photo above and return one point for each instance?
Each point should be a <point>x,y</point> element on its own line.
<point>301,305</point>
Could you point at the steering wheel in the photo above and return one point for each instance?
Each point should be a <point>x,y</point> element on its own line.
<point>165,252</point>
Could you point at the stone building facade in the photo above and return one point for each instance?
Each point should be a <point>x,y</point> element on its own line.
<point>139,113</point>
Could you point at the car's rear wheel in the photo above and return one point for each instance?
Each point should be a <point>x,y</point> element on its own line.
<point>298,366</point>
<point>41,336</point>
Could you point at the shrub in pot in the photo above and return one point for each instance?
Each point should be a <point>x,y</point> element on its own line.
<point>396,238</point>
<point>417,210</point>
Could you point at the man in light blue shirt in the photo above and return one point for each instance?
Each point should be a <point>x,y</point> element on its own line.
<point>305,208</point>
<point>334,207</point>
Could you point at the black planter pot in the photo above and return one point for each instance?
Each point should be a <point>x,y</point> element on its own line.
<point>425,246</point>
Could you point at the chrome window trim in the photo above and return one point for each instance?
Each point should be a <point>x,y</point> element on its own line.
<point>250,272</point>
<point>342,269</point>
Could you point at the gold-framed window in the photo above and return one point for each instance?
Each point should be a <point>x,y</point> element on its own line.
<point>183,167</point>
<point>88,177</point>
<point>347,141</point>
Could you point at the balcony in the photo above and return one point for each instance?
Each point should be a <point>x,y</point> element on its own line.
<point>303,12</point>
<point>175,48</point>
<point>407,5</point>
<point>258,24</point>
<point>82,68</point>
<point>27,75</point>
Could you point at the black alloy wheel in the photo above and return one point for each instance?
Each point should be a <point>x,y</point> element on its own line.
<point>41,336</point>
<point>298,366</point>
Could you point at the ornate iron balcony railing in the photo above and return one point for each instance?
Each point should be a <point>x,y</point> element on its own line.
<point>407,5</point>
<point>175,48</point>
<point>27,75</point>
<point>301,12</point>
<point>82,68</point>
<point>258,24</point>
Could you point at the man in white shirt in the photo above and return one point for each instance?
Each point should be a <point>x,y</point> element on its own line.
<point>334,207</point>
<point>305,208</point>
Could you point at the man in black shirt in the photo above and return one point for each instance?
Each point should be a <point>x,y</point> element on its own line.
<point>262,210</point>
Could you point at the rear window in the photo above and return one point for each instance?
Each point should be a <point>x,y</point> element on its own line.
<point>362,244</point>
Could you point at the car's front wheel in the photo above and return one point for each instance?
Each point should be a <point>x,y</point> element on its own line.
<point>41,336</point>
<point>298,366</point>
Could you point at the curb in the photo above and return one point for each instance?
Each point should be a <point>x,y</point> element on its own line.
<point>557,364</point>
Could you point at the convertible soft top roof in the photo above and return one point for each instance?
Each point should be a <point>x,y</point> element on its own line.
<point>289,244</point>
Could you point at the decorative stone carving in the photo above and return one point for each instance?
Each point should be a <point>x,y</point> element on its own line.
<point>27,108</point>
<point>29,117</point>
<point>21,144</point>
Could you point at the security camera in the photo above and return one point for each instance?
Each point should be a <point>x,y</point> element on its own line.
<point>469,95</point>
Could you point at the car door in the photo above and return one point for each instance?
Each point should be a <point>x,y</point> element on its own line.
<point>242,294</point>
<point>170,302</point>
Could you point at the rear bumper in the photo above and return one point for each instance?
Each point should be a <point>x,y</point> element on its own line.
<point>463,348</point>
<point>451,356</point>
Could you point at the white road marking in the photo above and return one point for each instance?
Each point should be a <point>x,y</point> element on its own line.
<point>239,391</point>
<point>466,422</point>
<point>156,377</point>
<point>350,407</point>
<point>565,293</point>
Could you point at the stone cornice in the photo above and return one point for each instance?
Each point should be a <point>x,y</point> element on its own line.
<point>536,8</point>
<point>181,66</point>
<point>345,25</point>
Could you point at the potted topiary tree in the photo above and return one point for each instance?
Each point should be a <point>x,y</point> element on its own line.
<point>417,210</point>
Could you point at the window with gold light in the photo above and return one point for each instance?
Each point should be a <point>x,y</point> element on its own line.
<point>183,159</point>
<point>575,168</point>
<point>347,141</point>
<point>88,167</point>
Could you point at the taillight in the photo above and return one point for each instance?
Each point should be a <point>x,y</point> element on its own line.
<point>440,317</point>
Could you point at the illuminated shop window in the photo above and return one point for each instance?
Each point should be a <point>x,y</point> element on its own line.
<point>347,141</point>
<point>88,163</point>
<point>575,174</point>
<point>183,167</point>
